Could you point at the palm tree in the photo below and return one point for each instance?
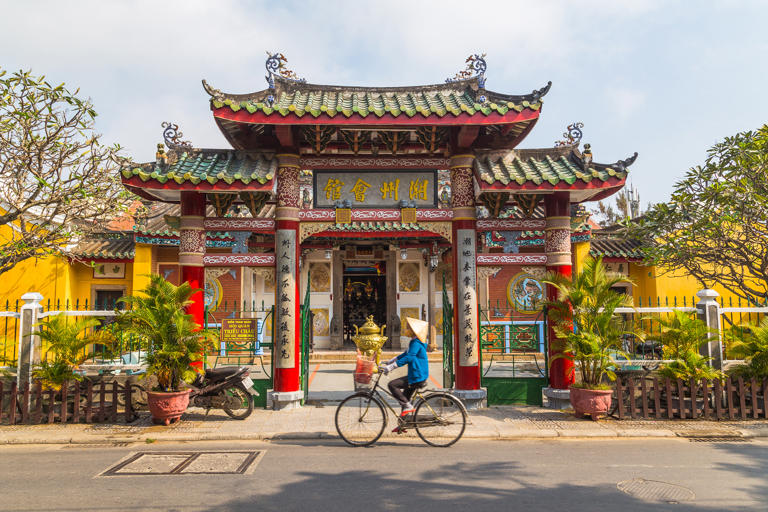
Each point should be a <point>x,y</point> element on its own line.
<point>172,338</point>
<point>681,333</point>
<point>585,320</point>
<point>67,341</point>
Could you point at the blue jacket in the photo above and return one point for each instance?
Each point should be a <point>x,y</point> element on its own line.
<point>416,359</point>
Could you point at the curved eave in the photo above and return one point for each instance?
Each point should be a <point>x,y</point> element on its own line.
<point>170,191</point>
<point>103,259</point>
<point>594,184</point>
<point>479,117</point>
<point>580,191</point>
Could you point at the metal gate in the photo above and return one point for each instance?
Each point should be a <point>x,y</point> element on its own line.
<point>515,351</point>
<point>248,353</point>
<point>447,339</point>
<point>306,342</point>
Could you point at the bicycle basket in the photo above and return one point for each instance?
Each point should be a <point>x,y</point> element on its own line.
<point>364,370</point>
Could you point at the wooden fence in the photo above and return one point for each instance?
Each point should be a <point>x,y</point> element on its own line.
<point>77,402</point>
<point>678,399</point>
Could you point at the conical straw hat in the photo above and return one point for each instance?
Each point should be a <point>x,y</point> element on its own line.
<point>419,327</point>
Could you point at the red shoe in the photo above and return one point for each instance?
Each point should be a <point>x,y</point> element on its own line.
<point>407,410</point>
<point>399,430</point>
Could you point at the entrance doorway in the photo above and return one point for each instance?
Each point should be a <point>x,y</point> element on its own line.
<point>364,294</point>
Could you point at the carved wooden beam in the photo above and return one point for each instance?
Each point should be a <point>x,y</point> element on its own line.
<point>511,259</point>
<point>239,260</point>
<point>511,224</point>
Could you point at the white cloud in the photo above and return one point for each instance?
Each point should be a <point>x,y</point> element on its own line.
<point>625,102</point>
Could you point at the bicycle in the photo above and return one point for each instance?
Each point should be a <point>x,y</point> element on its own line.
<point>439,418</point>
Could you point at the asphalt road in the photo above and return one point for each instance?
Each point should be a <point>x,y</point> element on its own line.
<point>574,475</point>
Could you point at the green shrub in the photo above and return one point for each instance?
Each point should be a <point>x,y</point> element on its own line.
<point>753,348</point>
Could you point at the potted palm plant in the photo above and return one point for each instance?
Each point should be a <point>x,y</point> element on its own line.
<point>172,339</point>
<point>589,332</point>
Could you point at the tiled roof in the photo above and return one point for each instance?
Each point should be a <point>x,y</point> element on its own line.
<point>162,219</point>
<point>207,165</point>
<point>376,226</point>
<point>615,248</point>
<point>538,167</point>
<point>299,99</point>
<point>117,246</point>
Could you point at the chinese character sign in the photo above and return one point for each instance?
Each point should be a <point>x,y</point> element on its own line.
<point>285,342</point>
<point>467,297</point>
<point>377,189</point>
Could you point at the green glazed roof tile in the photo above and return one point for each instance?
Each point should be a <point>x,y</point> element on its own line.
<point>616,248</point>
<point>551,166</point>
<point>375,226</point>
<point>113,246</point>
<point>299,99</point>
<point>197,165</point>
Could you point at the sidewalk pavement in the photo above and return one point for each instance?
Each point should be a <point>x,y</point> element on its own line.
<point>317,422</point>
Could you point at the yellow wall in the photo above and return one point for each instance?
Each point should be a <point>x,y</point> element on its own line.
<point>142,266</point>
<point>650,282</point>
<point>49,275</point>
<point>662,286</point>
<point>580,253</point>
<point>84,284</point>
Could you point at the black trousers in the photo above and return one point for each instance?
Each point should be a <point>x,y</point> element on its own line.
<point>401,390</point>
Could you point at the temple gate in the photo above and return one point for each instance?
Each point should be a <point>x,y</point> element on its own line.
<point>370,198</point>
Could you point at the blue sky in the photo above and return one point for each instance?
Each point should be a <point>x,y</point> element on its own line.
<point>665,79</point>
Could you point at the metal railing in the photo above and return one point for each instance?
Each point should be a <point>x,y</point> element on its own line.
<point>733,320</point>
<point>9,340</point>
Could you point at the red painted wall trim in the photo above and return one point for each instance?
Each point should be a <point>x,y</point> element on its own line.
<point>259,117</point>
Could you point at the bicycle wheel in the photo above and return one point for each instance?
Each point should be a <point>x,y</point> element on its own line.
<point>360,419</point>
<point>244,402</point>
<point>440,419</point>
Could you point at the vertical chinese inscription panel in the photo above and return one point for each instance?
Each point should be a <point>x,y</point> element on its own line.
<point>285,344</point>
<point>467,297</point>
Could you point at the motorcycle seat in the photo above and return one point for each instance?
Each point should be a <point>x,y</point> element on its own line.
<point>218,374</point>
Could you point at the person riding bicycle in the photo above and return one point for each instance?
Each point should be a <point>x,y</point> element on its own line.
<point>418,366</point>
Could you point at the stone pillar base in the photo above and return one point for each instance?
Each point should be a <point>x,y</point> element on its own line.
<point>284,400</point>
<point>471,398</point>
<point>557,398</point>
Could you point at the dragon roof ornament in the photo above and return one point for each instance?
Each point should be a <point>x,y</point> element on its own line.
<point>476,67</point>
<point>572,135</point>
<point>172,136</point>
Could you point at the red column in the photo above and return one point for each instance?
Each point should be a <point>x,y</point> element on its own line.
<point>465,316</point>
<point>191,252</point>
<point>558,249</point>
<point>287,343</point>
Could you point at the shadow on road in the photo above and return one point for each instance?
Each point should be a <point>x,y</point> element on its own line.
<point>463,486</point>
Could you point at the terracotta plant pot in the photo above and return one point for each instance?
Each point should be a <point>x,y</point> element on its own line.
<point>594,402</point>
<point>167,408</point>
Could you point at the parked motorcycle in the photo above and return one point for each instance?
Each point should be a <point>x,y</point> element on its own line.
<point>228,388</point>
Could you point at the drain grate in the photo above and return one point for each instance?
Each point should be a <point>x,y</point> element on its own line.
<point>717,439</point>
<point>653,490</point>
<point>97,445</point>
<point>186,463</point>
